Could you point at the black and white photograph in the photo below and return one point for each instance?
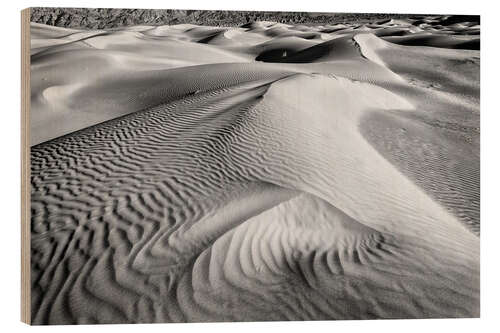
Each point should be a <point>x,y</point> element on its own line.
<point>193,166</point>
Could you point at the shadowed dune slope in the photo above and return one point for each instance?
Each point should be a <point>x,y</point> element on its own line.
<point>438,144</point>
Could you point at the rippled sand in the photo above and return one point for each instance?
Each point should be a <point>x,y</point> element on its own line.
<point>265,172</point>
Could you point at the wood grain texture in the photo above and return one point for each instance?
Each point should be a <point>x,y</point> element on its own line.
<point>25,169</point>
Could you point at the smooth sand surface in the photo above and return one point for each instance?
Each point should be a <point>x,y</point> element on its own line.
<point>266,172</point>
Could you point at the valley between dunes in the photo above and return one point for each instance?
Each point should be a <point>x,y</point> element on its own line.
<point>265,172</point>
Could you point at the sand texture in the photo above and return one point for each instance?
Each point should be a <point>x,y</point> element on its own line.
<point>187,173</point>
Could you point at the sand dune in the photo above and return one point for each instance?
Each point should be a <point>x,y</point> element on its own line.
<point>263,172</point>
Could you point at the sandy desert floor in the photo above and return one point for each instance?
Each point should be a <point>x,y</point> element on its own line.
<point>262,172</point>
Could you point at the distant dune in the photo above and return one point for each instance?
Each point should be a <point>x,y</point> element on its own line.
<point>263,172</point>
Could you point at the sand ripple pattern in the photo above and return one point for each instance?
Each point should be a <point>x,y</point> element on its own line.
<point>132,220</point>
<point>250,191</point>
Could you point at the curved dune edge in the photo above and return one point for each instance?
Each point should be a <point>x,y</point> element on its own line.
<point>367,45</point>
<point>437,145</point>
<point>91,58</point>
<point>328,263</point>
<point>139,239</point>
